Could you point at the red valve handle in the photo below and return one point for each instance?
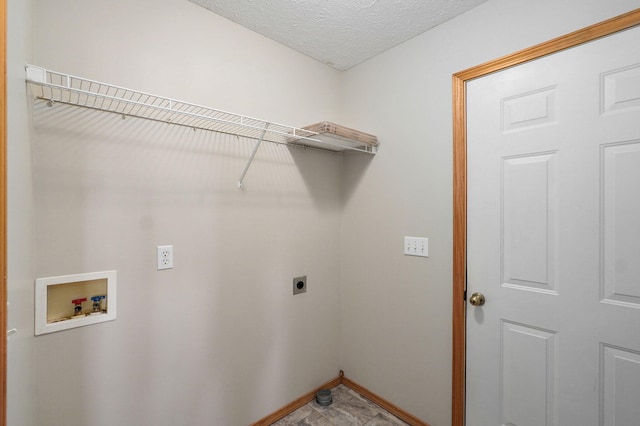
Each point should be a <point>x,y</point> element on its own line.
<point>79,301</point>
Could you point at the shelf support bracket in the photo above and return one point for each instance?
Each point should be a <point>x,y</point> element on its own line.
<point>253,154</point>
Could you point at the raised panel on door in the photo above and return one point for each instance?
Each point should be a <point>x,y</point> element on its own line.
<point>531,109</point>
<point>529,373</point>
<point>528,222</point>
<point>621,89</point>
<point>620,387</point>
<point>621,223</point>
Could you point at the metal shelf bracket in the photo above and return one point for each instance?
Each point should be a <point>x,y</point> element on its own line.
<point>253,155</point>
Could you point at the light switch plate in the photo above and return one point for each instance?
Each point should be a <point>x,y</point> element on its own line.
<point>416,246</point>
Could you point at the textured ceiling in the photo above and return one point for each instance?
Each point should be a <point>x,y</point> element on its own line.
<point>339,33</point>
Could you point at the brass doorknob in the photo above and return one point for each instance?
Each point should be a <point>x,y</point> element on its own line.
<point>477,299</point>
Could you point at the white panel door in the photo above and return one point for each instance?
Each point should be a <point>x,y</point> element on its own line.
<point>554,239</point>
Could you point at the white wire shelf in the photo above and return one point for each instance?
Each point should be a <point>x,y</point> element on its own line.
<point>56,87</point>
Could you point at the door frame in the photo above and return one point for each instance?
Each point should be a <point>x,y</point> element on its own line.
<point>3,211</point>
<point>590,33</point>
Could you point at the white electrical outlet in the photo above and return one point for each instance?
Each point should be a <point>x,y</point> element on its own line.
<point>415,246</point>
<point>165,257</point>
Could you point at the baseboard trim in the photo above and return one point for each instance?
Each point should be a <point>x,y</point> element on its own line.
<point>341,379</point>
<point>293,406</point>
<point>393,409</point>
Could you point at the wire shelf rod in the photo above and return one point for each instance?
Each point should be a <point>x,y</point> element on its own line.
<point>241,118</point>
<point>166,110</point>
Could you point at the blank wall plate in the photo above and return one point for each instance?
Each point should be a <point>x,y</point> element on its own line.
<point>416,246</point>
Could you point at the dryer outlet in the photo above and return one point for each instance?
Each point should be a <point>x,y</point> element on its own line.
<point>300,285</point>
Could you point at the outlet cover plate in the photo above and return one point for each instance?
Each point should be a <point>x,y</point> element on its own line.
<point>300,285</point>
<point>165,257</point>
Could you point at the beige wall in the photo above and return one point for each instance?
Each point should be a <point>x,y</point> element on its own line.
<point>396,310</point>
<point>219,339</point>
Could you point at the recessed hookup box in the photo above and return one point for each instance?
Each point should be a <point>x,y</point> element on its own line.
<point>70,301</point>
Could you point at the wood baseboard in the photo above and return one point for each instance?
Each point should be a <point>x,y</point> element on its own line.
<point>308,397</point>
<point>293,406</point>
<point>393,409</point>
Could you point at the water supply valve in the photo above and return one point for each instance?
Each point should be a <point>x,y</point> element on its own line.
<point>78,308</point>
<point>97,303</point>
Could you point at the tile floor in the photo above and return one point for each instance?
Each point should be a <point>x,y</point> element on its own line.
<point>349,408</point>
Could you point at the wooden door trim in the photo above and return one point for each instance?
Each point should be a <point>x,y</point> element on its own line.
<point>460,79</point>
<point>3,211</point>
